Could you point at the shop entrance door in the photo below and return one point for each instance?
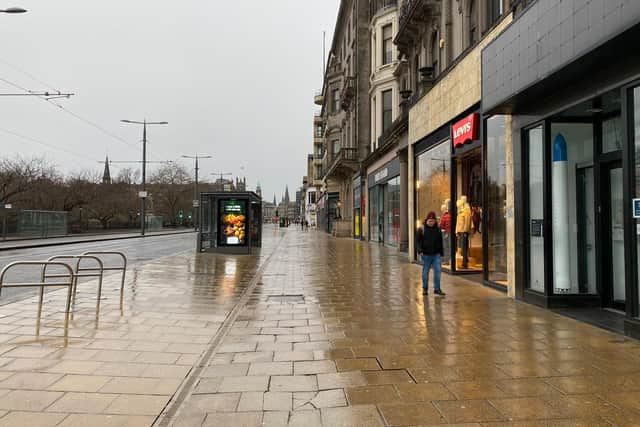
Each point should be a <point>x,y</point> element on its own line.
<point>612,232</point>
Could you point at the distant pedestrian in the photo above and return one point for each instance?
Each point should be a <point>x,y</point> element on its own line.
<point>302,225</point>
<point>306,225</point>
<point>430,249</point>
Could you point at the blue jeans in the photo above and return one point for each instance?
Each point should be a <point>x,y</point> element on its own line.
<point>429,261</point>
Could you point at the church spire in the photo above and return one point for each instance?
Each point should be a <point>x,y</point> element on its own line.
<point>286,194</point>
<point>106,176</point>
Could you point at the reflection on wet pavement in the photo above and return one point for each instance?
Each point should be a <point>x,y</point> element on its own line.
<point>314,331</point>
<point>337,333</point>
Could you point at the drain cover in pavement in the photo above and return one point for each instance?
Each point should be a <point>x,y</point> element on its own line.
<point>290,299</point>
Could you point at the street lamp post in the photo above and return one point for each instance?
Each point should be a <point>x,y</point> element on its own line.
<point>196,209</point>
<point>143,193</point>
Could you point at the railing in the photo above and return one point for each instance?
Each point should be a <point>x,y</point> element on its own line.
<point>350,154</point>
<point>96,271</point>
<point>65,280</point>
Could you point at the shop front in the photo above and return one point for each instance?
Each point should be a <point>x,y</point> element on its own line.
<point>456,179</point>
<point>384,204</point>
<point>577,168</point>
<point>359,216</point>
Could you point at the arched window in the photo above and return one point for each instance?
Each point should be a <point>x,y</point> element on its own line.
<point>473,22</point>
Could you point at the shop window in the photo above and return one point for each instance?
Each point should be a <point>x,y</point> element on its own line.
<point>612,135</point>
<point>495,210</point>
<point>376,213</point>
<point>392,212</point>
<point>636,131</point>
<point>536,208</point>
<point>433,191</point>
<point>469,227</point>
<point>573,208</point>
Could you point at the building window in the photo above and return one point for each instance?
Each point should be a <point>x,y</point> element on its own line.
<point>336,100</point>
<point>387,44</point>
<point>387,109</point>
<point>494,11</point>
<point>318,172</point>
<point>319,131</point>
<point>473,23</point>
<point>336,147</point>
<point>435,52</point>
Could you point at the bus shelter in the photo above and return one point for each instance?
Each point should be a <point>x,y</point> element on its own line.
<point>230,222</point>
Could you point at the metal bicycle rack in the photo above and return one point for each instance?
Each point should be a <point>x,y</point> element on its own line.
<point>122,268</point>
<point>42,284</point>
<point>80,272</point>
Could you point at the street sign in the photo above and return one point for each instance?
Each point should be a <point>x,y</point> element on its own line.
<point>196,203</point>
<point>142,194</point>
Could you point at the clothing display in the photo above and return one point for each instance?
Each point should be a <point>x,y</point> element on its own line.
<point>463,221</point>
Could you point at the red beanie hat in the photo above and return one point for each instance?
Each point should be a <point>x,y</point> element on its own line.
<point>431,215</point>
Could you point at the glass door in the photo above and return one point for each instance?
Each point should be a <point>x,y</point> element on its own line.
<point>613,285</point>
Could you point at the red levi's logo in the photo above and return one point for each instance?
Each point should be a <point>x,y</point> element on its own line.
<point>466,130</point>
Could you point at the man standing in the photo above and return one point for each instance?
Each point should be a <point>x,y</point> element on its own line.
<point>429,246</point>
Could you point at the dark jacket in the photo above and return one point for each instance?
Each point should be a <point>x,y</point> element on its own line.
<point>429,240</point>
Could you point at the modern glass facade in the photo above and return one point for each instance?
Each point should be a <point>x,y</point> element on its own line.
<point>392,212</point>
<point>496,199</point>
<point>433,190</point>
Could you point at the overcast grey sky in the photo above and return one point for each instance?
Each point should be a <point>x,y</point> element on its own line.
<point>234,79</point>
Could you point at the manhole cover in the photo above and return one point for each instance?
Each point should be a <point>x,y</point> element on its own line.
<point>291,299</point>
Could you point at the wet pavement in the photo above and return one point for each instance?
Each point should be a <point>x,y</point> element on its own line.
<point>315,331</point>
<point>137,250</point>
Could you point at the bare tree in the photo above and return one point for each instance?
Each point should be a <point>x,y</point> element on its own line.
<point>127,176</point>
<point>171,191</point>
<point>20,174</point>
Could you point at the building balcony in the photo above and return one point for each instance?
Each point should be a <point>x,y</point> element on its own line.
<point>414,15</point>
<point>343,163</point>
<point>318,98</point>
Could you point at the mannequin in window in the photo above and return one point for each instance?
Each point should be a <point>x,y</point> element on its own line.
<point>445,228</point>
<point>463,228</point>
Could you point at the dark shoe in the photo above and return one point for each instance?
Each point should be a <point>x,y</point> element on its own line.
<point>425,292</point>
<point>439,292</point>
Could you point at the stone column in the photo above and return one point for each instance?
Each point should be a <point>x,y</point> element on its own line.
<point>404,202</point>
<point>411,199</point>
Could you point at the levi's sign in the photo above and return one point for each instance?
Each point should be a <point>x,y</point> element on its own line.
<point>466,130</point>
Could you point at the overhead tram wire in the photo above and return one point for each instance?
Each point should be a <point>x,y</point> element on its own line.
<point>45,144</point>
<point>71,113</point>
<point>86,121</point>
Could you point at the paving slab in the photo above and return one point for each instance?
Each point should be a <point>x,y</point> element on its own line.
<point>314,331</point>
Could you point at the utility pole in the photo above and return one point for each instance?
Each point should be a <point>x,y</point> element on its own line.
<point>196,194</point>
<point>143,193</point>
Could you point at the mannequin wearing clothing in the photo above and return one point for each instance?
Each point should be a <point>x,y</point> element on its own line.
<point>463,228</point>
<point>445,228</point>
